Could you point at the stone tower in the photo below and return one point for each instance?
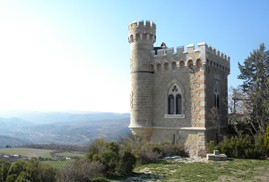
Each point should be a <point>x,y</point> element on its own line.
<point>141,36</point>
<point>177,96</point>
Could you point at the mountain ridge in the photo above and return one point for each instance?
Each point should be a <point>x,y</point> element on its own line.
<point>65,128</point>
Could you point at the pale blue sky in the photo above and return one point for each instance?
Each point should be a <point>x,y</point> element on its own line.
<point>60,55</point>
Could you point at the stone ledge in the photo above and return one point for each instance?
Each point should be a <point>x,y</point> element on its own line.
<point>174,116</point>
<point>216,156</point>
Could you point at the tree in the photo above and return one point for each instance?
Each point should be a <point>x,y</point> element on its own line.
<point>24,171</point>
<point>255,76</point>
<point>240,110</point>
<point>4,167</point>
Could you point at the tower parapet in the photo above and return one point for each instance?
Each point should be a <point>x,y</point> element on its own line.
<point>142,30</point>
<point>204,52</point>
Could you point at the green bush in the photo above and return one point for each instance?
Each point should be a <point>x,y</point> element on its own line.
<point>117,160</point>
<point>241,146</point>
<point>23,171</point>
<point>4,168</point>
<point>81,170</point>
<point>147,154</point>
<point>169,149</point>
<point>211,145</point>
<point>126,164</point>
<point>151,152</point>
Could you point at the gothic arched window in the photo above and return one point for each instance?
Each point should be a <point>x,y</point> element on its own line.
<point>174,100</point>
<point>178,104</point>
<point>170,104</point>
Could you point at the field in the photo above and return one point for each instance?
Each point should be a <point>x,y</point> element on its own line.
<point>56,160</point>
<point>71,154</point>
<point>191,170</point>
<point>27,152</point>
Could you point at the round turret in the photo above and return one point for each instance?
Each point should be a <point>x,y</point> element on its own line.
<point>142,31</point>
<point>141,36</point>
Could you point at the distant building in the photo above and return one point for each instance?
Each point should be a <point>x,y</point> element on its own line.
<point>176,96</point>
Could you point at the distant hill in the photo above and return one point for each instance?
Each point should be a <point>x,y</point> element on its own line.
<point>64,128</point>
<point>52,117</point>
<point>5,140</point>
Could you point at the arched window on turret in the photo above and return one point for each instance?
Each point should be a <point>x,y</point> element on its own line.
<point>216,96</point>
<point>174,100</point>
<point>178,104</point>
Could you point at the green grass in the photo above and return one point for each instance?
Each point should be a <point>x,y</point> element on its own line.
<point>27,152</point>
<point>231,170</point>
<point>71,154</point>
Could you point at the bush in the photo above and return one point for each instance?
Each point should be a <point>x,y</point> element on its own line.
<point>168,149</point>
<point>152,152</point>
<point>117,160</point>
<point>31,170</point>
<point>147,154</point>
<point>81,170</point>
<point>241,146</point>
<point>126,164</point>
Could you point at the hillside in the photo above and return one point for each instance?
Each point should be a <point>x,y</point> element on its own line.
<point>5,140</point>
<point>63,128</point>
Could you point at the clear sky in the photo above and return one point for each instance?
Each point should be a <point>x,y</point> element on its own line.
<point>58,55</point>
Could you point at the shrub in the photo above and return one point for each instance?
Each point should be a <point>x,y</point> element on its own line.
<point>169,149</point>
<point>211,146</point>
<point>31,170</point>
<point>117,160</point>
<point>81,170</point>
<point>241,146</point>
<point>4,168</point>
<point>126,164</point>
<point>146,154</point>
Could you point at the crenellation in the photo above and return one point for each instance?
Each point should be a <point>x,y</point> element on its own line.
<point>170,51</point>
<point>214,51</point>
<point>215,58</point>
<point>142,30</point>
<point>190,48</point>
<point>218,53</point>
<point>142,24</point>
<point>180,50</point>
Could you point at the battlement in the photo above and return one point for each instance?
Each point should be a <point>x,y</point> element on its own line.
<point>142,25</point>
<point>203,54</point>
<point>215,52</point>
<point>190,49</point>
<point>168,52</point>
<point>142,30</point>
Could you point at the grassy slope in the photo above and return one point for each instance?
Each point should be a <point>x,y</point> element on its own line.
<point>71,154</point>
<point>231,170</point>
<point>27,152</point>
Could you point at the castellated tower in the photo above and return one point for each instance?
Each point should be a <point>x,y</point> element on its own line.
<point>177,96</point>
<point>141,36</point>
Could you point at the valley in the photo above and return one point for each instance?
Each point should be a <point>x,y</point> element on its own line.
<point>61,128</point>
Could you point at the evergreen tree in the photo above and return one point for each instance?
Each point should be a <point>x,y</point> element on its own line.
<point>255,76</point>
